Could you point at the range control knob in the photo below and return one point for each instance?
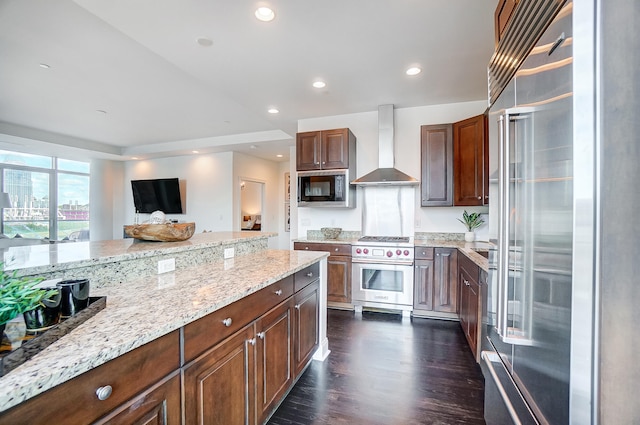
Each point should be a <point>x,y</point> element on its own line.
<point>406,252</point>
<point>366,251</point>
<point>389,254</point>
<point>358,251</point>
<point>398,251</point>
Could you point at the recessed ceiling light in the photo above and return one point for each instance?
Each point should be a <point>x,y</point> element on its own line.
<point>45,66</point>
<point>319,84</point>
<point>134,157</point>
<point>204,41</point>
<point>413,71</point>
<point>195,151</point>
<point>265,14</point>
<point>253,147</point>
<point>273,111</point>
<point>279,155</point>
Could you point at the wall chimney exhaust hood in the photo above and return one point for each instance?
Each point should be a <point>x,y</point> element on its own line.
<point>385,174</point>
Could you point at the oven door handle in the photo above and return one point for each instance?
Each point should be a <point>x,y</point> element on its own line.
<point>383,261</point>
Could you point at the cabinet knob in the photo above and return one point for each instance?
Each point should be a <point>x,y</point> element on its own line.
<point>278,292</point>
<point>310,274</point>
<point>323,162</point>
<point>227,322</point>
<point>466,282</point>
<point>104,393</point>
<point>261,335</point>
<point>297,306</point>
<point>306,247</point>
<point>252,341</point>
<point>479,198</point>
<point>336,250</point>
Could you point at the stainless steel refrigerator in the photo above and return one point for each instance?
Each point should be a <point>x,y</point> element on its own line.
<point>527,351</point>
<point>561,340</point>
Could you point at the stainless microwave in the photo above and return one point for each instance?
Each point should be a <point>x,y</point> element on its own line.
<point>328,188</point>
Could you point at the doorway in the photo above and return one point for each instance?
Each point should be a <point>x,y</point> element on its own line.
<point>251,204</point>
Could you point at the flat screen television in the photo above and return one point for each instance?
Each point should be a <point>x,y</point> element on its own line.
<point>157,195</point>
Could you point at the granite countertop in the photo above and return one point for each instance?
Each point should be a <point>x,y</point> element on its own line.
<point>470,249</point>
<point>44,258</point>
<point>145,309</point>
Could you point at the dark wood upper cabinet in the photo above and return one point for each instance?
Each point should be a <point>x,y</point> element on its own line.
<point>325,150</point>
<point>503,12</point>
<point>469,162</point>
<point>436,156</point>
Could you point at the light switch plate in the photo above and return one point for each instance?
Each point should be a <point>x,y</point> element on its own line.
<point>229,253</point>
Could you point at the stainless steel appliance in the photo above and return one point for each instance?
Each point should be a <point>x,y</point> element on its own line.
<point>527,353</point>
<point>327,188</point>
<point>382,268</point>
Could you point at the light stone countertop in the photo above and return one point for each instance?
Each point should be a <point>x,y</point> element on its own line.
<point>45,258</point>
<point>145,309</point>
<point>470,249</point>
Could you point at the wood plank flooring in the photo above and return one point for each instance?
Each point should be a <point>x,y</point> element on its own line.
<point>385,372</point>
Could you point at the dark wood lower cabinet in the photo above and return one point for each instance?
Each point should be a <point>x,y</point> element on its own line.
<point>469,313</point>
<point>274,357</point>
<point>159,405</point>
<point>339,279</point>
<point>306,325</point>
<point>219,385</point>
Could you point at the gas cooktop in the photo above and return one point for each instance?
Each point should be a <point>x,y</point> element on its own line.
<point>387,239</point>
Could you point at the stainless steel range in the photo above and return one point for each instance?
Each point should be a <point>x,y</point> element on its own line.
<point>382,273</point>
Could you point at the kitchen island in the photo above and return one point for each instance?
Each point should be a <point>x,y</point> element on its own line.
<point>147,308</point>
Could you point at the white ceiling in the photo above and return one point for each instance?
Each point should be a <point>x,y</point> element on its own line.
<point>164,94</point>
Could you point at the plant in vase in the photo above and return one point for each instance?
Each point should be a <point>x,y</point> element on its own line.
<point>471,222</point>
<point>20,294</point>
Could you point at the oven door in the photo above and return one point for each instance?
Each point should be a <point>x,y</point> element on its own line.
<point>382,285</point>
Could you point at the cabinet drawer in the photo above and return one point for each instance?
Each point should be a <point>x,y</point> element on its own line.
<point>423,253</point>
<point>76,401</point>
<point>306,276</point>
<point>213,328</point>
<point>333,249</point>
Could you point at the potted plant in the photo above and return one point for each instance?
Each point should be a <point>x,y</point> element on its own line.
<point>471,222</point>
<point>19,294</point>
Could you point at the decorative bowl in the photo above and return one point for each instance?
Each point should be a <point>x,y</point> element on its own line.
<point>331,232</point>
<point>170,232</point>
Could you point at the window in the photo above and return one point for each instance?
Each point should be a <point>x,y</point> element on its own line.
<point>49,197</point>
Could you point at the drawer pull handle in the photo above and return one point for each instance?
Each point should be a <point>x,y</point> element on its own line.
<point>261,335</point>
<point>278,292</point>
<point>104,393</point>
<point>227,322</point>
<point>252,341</point>
<point>310,274</point>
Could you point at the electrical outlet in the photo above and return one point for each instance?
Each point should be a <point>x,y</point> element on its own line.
<point>167,265</point>
<point>229,253</point>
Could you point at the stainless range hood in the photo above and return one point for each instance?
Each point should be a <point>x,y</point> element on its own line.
<point>385,174</point>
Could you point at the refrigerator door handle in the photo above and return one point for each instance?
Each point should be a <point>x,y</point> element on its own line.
<point>509,334</point>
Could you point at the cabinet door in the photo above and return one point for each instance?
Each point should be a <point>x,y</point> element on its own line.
<point>306,323</point>
<point>463,284</point>
<point>436,159</point>
<point>335,149</point>
<point>308,151</point>
<point>339,279</point>
<point>159,405</point>
<point>445,296</point>
<point>423,290</point>
<point>468,154</point>
<point>219,386</point>
<point>274,357</point>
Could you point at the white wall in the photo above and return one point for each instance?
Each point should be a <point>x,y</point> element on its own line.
<point>208,180</point>
<point>106,202</point>
<point>407,159</point>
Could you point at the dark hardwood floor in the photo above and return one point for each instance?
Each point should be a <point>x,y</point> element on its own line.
<point>381,371</point>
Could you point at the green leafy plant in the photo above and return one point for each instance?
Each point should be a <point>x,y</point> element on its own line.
<point>19,294</point>
<point>471,221</point>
